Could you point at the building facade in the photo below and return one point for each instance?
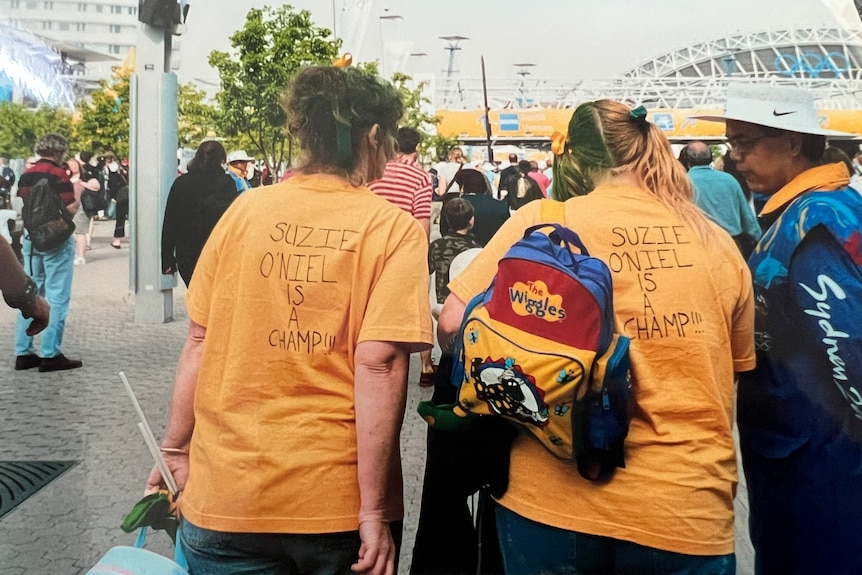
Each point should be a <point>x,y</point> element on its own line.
<point>107,27</point>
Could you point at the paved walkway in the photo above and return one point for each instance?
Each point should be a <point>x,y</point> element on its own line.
<point>85,415</point>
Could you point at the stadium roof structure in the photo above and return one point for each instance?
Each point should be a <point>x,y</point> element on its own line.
<point>827,61</point>
<point>30,65</point>
<point>44,70</point>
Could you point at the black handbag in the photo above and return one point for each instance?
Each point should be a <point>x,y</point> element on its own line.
<point>93,201</point>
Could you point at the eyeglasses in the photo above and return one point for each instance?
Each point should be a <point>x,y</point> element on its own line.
<point>744,146</point>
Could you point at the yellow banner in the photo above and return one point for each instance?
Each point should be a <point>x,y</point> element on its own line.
<point>541,123</point>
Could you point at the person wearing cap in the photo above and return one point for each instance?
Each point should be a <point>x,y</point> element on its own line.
<point>52,270</point>
<point>800,410</point>
<point>237,168</point>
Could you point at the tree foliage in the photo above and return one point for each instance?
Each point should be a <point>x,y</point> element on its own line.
<point>270,48</point>
<point>418,116</point>
<point>196,118</point>
<point>21,127</point>
<point>104,119</point>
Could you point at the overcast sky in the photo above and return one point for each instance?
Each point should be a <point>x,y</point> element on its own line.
<point>566,39</point>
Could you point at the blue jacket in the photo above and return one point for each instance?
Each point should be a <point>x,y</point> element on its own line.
<point>241,183</point>
<point>800,410</point>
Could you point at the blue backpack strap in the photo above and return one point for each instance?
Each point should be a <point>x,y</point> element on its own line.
<point>457,377</point>
<point>554,215</point>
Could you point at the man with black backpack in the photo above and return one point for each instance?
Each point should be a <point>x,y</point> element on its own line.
<point>48,256</point>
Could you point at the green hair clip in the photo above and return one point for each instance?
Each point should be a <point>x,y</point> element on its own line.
<point>342,142</point>
<point>639,115</point>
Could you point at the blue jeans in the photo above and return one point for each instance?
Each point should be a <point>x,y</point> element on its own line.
<point>531,548</point>
<point>52,272</point>
<point>216,553</point>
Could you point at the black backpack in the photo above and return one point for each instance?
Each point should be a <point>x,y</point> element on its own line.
<point>46,219</point>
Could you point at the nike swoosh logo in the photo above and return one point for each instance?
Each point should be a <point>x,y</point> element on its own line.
<point>777,113</point>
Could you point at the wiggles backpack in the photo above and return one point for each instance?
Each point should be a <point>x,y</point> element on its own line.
<point>538,348</point>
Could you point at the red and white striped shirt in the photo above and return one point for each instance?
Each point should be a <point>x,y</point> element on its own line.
<point>407,186</point>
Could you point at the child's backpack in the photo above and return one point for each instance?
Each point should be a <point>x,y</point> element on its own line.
<point>46,219</point>
<point>538,347</point>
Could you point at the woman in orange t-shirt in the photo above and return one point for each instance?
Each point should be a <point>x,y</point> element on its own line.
<point>306,302</point>
<point>683,295</point>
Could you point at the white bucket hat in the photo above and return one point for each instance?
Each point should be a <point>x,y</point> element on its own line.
<point>783,107</point>
<point>238,156</point>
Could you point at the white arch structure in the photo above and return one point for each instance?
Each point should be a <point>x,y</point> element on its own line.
<point>827,61</point>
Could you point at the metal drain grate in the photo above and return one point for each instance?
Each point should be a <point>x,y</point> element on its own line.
<point>21,479</point>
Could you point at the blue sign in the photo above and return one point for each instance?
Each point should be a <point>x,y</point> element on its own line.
<point>663,121</point>
<point>509,123</point>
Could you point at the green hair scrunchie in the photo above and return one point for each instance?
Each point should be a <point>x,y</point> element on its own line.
<point>639,117</point>
<point>639,114</point>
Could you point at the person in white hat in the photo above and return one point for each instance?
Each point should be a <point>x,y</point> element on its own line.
<point>800,410</point>
<point>237,168</point>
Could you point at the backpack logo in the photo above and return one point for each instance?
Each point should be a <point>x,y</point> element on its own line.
<point>509,391</point>
<point>534,298</point>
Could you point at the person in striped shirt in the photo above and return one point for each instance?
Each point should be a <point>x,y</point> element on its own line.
<point>405,183</point>
<point>408,186</point>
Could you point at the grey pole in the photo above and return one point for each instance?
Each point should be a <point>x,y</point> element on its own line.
<point>153,164</point>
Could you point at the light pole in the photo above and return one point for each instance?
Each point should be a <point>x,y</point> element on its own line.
<point>452,47</point>
<point>417,55</point>
<point>334,29</point>
<point>380,19</point>
<point>523,72</point>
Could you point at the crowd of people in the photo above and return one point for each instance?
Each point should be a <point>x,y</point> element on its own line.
<point>307,297</point>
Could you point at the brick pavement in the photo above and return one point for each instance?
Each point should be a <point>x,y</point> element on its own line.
<point>85,415</point>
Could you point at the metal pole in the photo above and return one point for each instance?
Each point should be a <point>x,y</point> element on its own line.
<point>334,30</point>
<point>153,148</point>
<point>453,45</point>
<point>487,114</point>
<point>382,48</point>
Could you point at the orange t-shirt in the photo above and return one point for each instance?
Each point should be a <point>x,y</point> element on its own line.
<point>689,310</point>
<point>292,278</point>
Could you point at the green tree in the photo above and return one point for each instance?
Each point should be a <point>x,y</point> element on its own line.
<point>104,119</point>
<point>21,127</point>
<point>270,48</point>
<point>416,116</point>
<point>196,118</point>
